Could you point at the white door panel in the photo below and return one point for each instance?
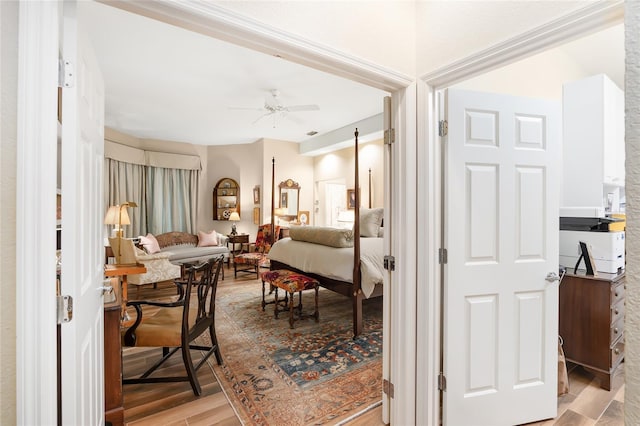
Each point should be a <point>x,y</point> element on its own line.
<point>82,210</point>
<point>501,197</point>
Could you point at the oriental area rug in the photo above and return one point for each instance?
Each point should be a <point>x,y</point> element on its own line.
<point>313,374</point>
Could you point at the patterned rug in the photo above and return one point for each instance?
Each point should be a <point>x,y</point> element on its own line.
<point>314,374</point>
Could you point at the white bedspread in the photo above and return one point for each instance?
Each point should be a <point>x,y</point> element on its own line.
<point>332,262</point>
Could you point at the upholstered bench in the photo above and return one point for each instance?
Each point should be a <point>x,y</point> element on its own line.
<point>291,283</point>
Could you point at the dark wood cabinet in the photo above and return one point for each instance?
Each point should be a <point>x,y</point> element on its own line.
<point>113,402</point>
<point>592,322</point>
<point>226,199</point>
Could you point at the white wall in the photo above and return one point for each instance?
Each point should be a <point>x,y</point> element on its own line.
<point>338,166</point>
<point>632,131</point>
<point>8,142</point>
<point>382,32</point>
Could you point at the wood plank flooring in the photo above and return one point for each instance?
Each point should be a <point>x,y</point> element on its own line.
<point>174,403</point>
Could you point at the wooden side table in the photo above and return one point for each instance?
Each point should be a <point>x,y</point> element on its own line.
<point>241,239</point>
<point>113,311</point>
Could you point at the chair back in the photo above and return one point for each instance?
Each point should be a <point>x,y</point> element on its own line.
<point>124,250</point>
<point>264,240</point>
<point>199,308</point>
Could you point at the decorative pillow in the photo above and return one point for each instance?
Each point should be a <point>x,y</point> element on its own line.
<point>332,237</point>
<point>370,222</point>
<point>381,232</point>
<point>150,243</point>
<point>209,239</point>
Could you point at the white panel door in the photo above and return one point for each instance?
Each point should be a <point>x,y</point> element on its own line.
<point>82,245</point>
<point>501,232</point>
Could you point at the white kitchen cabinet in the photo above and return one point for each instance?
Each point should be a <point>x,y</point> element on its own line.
<point>593,142</point>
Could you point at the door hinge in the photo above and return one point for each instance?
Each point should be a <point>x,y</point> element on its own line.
<point>442,382</point>
<point>389,263</point>
<point>442,256</point>
<point>64,308</point>
<point>387,387</point>
<point>66,74</point>
<point>443,128</point>
<point>389,136</point>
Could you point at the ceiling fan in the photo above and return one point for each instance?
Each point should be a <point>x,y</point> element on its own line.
<point>273,106</point>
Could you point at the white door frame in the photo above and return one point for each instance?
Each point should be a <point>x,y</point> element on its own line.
<point>580,23</point>
<point>36,186</point>
<point>36,384</point>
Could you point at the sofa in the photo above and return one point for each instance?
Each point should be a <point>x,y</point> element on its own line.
<point>182,247</point>
<point>158,266</point>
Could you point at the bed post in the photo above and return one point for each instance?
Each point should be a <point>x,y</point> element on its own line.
<point>273,183</point>
<point>357,292</point>
<point>369,187</point>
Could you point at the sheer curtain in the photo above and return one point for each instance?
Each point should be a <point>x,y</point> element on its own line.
<point>172,199</point>
<point>126,182</point>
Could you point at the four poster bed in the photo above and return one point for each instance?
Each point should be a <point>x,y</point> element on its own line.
<point>342,260</point>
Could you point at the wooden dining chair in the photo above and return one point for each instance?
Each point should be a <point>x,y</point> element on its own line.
<point>175,325</point>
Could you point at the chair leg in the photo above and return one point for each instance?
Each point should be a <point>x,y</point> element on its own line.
<point>263,301</point>
<point>317,312</point>
<point>214,344</point>
<point>291,297</point>
<point>191,372</point>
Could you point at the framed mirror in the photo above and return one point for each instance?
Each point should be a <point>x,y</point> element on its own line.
<point>289,197</point>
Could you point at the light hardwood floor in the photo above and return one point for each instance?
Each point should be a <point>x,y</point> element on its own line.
<point>174,403</point>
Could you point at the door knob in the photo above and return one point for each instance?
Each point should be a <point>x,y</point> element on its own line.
<point>552,277</point>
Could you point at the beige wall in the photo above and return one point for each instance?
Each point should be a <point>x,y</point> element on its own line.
<point>242,163</point>
<point>8,127</point>
<point>451,30</point>
<point>289,165</point>
<point>632,134</point>
<point>546,72</point>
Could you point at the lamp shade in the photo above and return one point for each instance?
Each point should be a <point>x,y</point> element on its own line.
<point>282,211</point>
<point>111,218</point>
<point>124,216</point>
<point>234,216</point>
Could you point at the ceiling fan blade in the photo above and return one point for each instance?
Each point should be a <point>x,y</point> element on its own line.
<point>246,109</point>
<point>261,117</point>
<point>296,108</point>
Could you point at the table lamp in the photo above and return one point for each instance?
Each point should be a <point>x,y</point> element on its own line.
<point>281,211</point>
<point>117,215</point>
<point>234,218</point>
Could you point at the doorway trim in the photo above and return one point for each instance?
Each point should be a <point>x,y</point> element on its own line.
<point>580,23</point>
<point>38,114</point>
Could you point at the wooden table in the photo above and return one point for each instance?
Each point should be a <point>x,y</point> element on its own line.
<point>237,239</point>
<point>122,270</point>
<point>113,401</point>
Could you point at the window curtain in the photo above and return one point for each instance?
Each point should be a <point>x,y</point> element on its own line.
<point>126,182</point>
<point>172,199</point>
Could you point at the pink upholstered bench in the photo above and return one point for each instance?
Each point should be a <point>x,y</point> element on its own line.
<point>290,282</point>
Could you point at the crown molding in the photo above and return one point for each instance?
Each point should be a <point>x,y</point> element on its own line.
<point>216,21</point>
<point>584,21</point>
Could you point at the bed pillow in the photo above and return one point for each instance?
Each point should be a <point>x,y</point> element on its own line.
<point>370,222</point>
<point>150,243</point>
<point>332,237</point>
<point>207,239</point>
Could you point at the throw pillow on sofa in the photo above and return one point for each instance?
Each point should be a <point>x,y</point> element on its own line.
<point>209,239</point>
<point>150,244</point>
